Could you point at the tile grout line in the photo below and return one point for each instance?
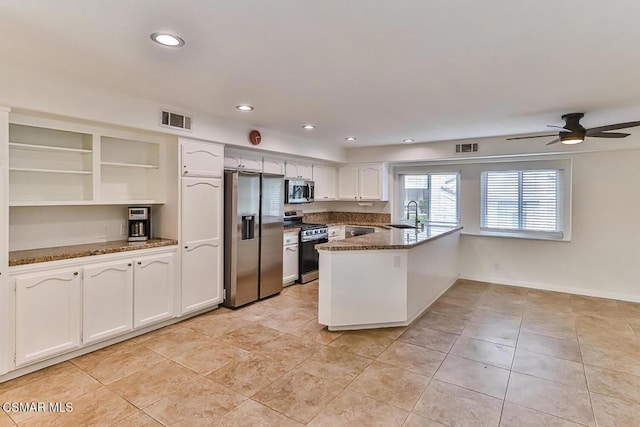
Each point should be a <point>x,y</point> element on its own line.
<point>513,360</point>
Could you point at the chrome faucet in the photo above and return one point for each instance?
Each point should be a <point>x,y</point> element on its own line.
<point>416,210</point>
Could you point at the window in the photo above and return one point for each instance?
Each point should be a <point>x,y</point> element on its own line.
<point>436,195</point>
<point>523,201</point>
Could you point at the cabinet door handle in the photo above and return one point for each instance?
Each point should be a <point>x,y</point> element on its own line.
<point>129,265</point>
<point>139,262</point>
<point>75,273</point>
<point>186,247</point>
<point>186,172</point>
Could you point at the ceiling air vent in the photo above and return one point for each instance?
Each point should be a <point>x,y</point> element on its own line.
<point>175,120</point>
<point>466,148</point>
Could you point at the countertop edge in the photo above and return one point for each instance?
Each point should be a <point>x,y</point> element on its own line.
<point>372,247</point>
<point>83,252</point>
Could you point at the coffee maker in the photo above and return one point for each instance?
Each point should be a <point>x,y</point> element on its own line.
<point>139,224</point>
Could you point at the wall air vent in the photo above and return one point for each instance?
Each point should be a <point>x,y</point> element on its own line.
<point>466,148</point>
<point>175,120</point>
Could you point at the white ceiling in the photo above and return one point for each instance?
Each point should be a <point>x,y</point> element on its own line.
<point>381,70</point>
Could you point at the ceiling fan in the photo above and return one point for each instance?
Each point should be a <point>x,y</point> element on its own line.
<point>574,133</point>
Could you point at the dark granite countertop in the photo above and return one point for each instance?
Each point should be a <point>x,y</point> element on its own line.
<point>57,253</point>
<point>389,239</point>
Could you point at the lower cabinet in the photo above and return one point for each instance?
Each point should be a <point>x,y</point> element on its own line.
<point>290,258</point>
<point>107,300</point>
<point>154,289</point>
<point>336,232</point>
<point>201,275</point>
<point>59,310</point>
<point>47,314</point>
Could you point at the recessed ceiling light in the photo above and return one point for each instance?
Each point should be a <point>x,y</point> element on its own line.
<point>351,138</point>
<point>407,140</point>
<point>244,107</point>
<point>167,39</point>
<point>308,127</point>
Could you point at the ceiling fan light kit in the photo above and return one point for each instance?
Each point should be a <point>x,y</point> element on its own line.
<point>571,140</point>
<point>574,133</point>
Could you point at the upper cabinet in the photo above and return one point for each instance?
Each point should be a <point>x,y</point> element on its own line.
<point>366,182</point>
<point>299,171</point>
<point>326,180</point>
<point>242,161</point>
<point>201,158</point>
<point>348,183</point>
<point>273,166</point>
<point>59,163</point>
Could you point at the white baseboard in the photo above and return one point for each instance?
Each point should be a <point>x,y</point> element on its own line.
<point>554,288</point>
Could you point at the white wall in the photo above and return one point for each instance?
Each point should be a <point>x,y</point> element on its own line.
<point>41,227</point>
<point>376,207</point>
<point>603,256</point>
<point>36,91</point>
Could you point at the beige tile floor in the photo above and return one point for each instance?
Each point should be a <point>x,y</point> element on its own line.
<point>483,355</point>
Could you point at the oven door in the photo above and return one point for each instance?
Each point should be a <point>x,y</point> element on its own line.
<point>298,191</point>
<point>309,259</point>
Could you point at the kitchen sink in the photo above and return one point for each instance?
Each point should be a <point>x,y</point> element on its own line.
<point>402,226</point>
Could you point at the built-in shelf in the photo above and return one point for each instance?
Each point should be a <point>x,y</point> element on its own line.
<point>50,167</point>
<point>70,172</point>
<point>82,203</point>
<point>37,147</point>
<point>129,165</point>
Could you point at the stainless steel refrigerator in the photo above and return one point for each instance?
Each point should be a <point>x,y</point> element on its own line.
<point>253,227</point>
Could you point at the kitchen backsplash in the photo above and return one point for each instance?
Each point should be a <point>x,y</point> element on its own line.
<point>347,217</point>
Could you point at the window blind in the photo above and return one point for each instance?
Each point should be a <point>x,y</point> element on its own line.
<point>522,200</point>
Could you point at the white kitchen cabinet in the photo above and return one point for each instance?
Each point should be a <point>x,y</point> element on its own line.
<point>348,188</point>
<point>364,182</point>
<point>47,314</point>
<point>201,223</point>
<point>336,232</point>
<point>203,219</point>
<point>242,161</point>
<point>154,289</point>
<point>201,275</point>
<point>325,179</point>
<point>299,171</point>
<point>273,166</point>
<point>290,258</point>
<point>201,158</point>
<point>107,300</point>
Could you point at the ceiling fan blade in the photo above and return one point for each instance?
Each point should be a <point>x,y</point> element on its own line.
<point>608,135</point>
<point>554,141</point>
<point>528,137</point>
<point>612,127</point>
<point>560,128</point>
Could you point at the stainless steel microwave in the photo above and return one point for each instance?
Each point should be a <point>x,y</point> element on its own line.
<point>298,191</point>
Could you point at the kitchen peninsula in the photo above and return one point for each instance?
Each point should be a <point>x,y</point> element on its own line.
<point>387,278</point>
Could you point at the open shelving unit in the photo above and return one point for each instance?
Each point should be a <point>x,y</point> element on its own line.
<point>49,165</point>
<point>129,170</point>
<point>65,166</point>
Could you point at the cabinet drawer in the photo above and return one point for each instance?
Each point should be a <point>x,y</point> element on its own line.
<point>290,238</point>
